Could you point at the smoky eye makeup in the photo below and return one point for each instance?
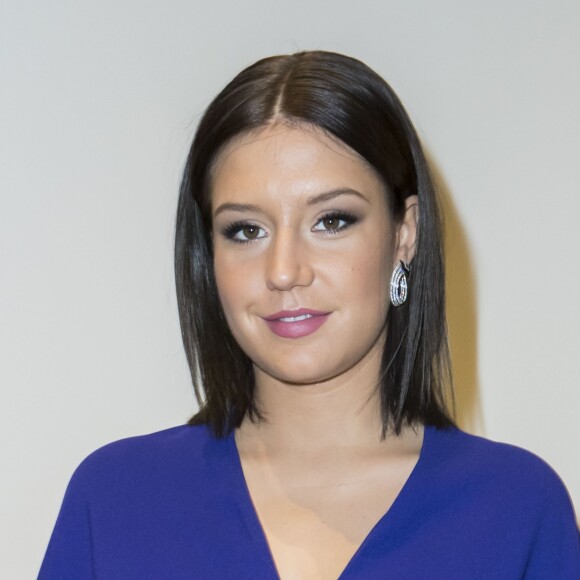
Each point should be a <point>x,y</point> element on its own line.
<point>242,231</point>
<point>335,221</point>
<point>331,222</point>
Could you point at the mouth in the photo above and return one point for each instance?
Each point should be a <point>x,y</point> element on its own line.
<point>295,318</point>
<point>296,323</point>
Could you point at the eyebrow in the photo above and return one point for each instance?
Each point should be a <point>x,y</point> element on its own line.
<point>315,199</point>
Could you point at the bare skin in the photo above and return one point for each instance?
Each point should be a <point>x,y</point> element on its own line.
<point>320,489</point>
<point>318,472</point>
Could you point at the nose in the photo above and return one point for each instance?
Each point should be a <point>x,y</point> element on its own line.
<point>289,263</point>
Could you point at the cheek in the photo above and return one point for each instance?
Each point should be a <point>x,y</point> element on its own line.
<point>369,269</point>
<point>225,280</point>
<point>236,284</point>
<point>369,284</point>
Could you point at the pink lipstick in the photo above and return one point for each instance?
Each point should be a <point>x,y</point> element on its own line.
<point>296,323</point>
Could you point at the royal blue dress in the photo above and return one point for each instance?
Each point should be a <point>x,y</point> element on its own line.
<point>174,505</point>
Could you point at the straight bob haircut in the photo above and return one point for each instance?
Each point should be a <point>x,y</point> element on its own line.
<point>347,100</point>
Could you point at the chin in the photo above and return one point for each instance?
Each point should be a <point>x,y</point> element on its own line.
<point>301,372</point>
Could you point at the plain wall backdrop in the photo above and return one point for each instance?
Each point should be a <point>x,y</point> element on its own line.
<point>98,105</point>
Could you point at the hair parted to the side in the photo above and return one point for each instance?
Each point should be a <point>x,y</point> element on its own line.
<point>349,101</point>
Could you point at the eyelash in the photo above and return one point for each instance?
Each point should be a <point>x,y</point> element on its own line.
<point>232,230</point>
<point>341,215</point>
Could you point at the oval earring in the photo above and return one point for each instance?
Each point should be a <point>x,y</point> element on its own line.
<point>399,288</point>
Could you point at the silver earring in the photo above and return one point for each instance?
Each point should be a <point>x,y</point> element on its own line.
<point>399,284</point>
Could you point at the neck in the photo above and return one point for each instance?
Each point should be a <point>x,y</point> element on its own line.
<point>340,412</point>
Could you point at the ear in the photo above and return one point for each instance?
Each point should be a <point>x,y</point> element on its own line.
<point>406,235</point>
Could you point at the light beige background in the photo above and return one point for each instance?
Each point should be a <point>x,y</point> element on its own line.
<point>98,104</point>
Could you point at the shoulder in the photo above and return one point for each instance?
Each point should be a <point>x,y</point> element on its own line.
<point>506,497</point>
<point>476,452</point>
<point>168,442</point>
<point>136,459</point>
<point>506,469</point>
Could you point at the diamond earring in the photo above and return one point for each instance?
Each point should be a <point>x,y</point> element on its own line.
<point>399,289</point>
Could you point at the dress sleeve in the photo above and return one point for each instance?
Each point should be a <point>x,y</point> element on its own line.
<point>69,552</point>
<point>556,549</point>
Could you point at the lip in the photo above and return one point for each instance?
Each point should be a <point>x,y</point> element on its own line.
<point>313,320</point>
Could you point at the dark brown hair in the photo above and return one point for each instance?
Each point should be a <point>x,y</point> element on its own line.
<point>349,101</point>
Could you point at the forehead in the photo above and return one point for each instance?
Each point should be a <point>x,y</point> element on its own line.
<point>287,159</point>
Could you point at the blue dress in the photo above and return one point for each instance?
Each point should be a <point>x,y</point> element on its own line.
<point>174,505</point>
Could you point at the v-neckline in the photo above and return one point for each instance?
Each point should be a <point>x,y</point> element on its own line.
<point>254,523</point>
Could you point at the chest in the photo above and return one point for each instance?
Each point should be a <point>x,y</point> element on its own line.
<point>315,524</point>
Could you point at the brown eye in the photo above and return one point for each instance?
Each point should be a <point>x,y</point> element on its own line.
<point>243,232</point>
<point>251,232</point>
<point>334,222</point>
<point>331,223</point>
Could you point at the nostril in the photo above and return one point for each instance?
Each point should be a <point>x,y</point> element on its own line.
<point>288,269</point>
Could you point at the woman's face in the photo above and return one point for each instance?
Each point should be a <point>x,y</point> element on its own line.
<point>304,248</point>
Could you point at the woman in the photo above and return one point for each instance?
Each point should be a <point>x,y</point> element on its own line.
<point>311,296</point>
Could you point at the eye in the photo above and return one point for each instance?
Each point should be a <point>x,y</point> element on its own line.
<point>243,232</point>
<point>334,222</point>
